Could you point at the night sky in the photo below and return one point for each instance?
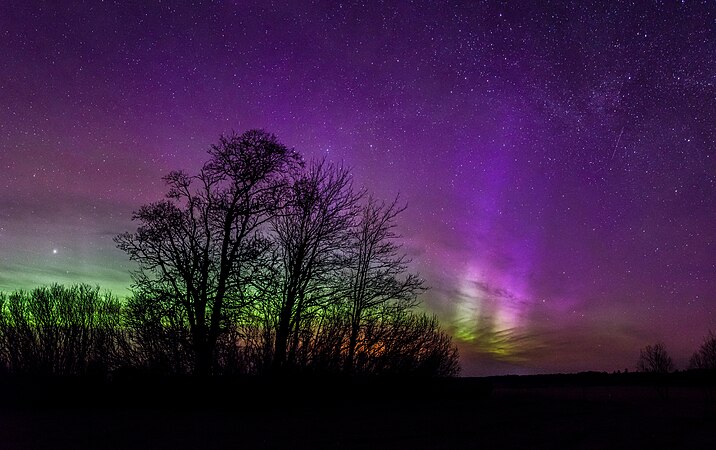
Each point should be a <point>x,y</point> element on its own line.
<point>558,161</point>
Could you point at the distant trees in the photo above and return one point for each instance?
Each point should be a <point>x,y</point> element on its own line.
<point>705,357</point>
<point>655,359</point>
<point>405,342</point>
<point>59,330</point>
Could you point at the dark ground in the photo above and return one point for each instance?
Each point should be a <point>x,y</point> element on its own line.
<point>570,411</point>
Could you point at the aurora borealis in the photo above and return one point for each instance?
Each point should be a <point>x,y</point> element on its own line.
<point>558,161</point>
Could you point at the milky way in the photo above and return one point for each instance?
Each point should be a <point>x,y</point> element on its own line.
<point>558,161</point>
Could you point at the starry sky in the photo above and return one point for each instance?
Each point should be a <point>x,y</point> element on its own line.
<point>558,159</point>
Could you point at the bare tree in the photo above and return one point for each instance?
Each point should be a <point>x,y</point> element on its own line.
<point>310,237</point>
<point>376,269</point>
<point>654,359</point>
<point>705,356</point>
<point>194,248</point>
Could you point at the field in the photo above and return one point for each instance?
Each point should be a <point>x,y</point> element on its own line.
<point>571,411</point>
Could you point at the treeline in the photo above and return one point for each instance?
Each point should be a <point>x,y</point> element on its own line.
<point>80,330</point>
<point>655,358</point>
<point>259,263</point>
<point>59,330</point>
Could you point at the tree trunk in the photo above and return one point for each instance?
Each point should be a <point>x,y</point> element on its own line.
<point>279,357</point>
<point>350,359</point>
<point>353,341</point>
<point>202,353</point>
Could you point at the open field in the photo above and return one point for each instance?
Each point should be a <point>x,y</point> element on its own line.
<point>502,412</point>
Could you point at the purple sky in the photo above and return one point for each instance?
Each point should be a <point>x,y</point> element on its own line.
<point>559,161</point>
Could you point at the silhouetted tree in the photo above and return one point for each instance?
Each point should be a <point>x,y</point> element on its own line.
<point>310,236</point>
<point>655,359</point>
<point>376,269</point>
<point>705,356</point>
<point>195,248</point>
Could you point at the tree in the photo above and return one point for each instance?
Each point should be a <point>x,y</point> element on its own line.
<point>705,356</point>
<point>195,249</point>
<point>654,359</point>
<point>310,237</point>
<point>376,269</point>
